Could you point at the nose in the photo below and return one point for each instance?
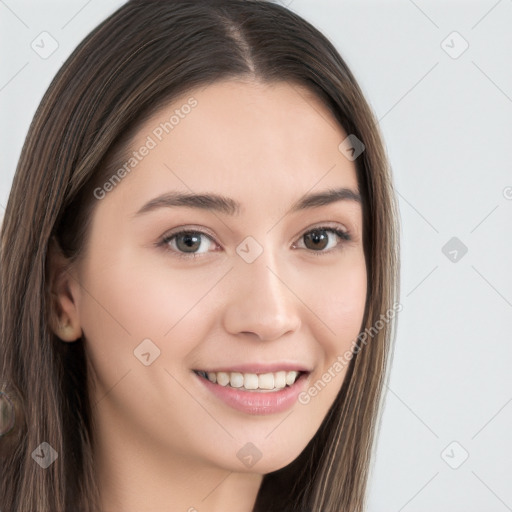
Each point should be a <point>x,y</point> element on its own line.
<point>262,302</point>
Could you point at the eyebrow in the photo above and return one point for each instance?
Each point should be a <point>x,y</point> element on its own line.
<point>228,206</point>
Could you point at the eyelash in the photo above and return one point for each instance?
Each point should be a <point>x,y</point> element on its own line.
<point>164,242</point>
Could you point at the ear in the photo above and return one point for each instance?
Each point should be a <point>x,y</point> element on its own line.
<point>64,318</point>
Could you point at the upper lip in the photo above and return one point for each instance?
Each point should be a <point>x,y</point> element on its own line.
<point>258,368</point>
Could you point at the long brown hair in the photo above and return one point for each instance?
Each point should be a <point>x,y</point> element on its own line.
<point>140,58</point>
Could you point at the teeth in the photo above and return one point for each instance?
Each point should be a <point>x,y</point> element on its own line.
<point>236,380</point>
<point>280,379</point>
<point>222,378</point>
<point>253,381</point>
<point>290,378</point>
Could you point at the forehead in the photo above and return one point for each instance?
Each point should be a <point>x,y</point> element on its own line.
<point>241,137</point>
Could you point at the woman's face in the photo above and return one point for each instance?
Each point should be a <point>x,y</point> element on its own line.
<point>251,289</point>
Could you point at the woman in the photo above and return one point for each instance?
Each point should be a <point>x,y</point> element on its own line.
<point>199,270</point>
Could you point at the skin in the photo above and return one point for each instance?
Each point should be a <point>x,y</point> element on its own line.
<point>164,442</point>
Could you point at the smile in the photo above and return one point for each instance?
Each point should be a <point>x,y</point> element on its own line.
<point>265,382</point>
<point>253,393</point>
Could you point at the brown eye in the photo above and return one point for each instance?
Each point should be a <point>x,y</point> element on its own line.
<point>188,241</point>
<point>316,239</point>
<point>319,239</point>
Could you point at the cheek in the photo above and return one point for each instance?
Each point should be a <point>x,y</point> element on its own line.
<point>347,304</point>
<point>338,298</point>
<point>336,294</point>
<point>127,304</point>
<point>131,301</point>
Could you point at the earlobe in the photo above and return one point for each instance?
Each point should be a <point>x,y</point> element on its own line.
<point>67,331</point>
<point>64,318</point>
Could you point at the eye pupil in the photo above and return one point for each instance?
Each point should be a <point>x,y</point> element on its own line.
<point>190,241</point>
<point>318,237</point>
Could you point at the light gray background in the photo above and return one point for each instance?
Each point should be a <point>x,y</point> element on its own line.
<point>447,126</point>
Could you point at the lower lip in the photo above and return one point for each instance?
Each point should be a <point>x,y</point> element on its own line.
<point>257,402</point>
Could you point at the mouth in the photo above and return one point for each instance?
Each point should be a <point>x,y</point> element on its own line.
<point>255,390</point>
<point>253,382</point>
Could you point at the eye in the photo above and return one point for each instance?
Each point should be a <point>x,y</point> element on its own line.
<point>317,239</point>
<point>185,243</point>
